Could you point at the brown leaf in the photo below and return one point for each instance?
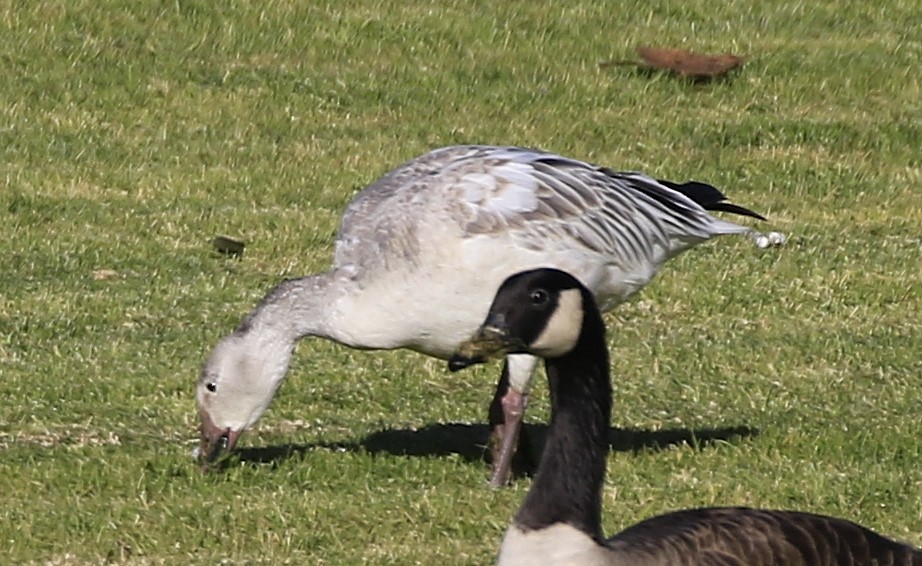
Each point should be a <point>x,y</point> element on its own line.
<point>688,64</point>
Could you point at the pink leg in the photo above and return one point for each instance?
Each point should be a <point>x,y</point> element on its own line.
<point>514,404</point>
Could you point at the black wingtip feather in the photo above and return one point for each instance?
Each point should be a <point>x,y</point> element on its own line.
<point>709,198</point>
<point>735,209</point>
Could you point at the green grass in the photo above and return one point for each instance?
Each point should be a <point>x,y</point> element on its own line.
<point>131,133</point>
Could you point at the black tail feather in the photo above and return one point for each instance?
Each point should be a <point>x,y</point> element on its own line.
<point>709,198</point>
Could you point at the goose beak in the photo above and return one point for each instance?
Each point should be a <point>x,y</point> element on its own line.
<point>214,440</point>
<point>490,340</point>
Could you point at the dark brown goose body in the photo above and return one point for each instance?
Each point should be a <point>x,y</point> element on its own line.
<point>741,536</point>
<point>560,520</point>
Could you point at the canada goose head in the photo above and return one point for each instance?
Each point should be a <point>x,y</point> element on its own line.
<point>537,312</point>
<point>237,384</point>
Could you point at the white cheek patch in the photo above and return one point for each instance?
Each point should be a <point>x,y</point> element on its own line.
<point>562,330</point>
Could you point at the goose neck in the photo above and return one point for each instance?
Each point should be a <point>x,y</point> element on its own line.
<point>293,309</point>
<point>567,488</point>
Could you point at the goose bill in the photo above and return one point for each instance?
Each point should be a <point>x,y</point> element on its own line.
<point>215,440</point>
<point>488,342</point>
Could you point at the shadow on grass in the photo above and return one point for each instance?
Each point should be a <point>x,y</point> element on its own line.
<point>470,440</point>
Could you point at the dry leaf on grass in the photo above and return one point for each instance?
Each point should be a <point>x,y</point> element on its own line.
<point>103,274</point>
<point>685,63</point>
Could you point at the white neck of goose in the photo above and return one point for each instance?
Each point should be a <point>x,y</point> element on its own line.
<point>294,309</point>
<point>567,487</point>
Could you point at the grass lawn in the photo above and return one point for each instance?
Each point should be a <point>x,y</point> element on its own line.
<point>132,133</point>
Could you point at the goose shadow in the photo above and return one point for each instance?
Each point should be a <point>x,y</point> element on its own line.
<point>469,441</point>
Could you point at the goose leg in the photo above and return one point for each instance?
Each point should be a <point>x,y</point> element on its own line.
<point>506,413</point>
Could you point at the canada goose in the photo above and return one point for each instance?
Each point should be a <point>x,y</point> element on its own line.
<point>420,251</point>
<point>548,313</point>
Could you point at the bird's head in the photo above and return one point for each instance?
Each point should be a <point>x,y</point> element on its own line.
<point>239,380</point>
<point>537,312</point>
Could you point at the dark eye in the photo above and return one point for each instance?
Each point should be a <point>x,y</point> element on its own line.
<point>538,297</point>
<point>211,386</point>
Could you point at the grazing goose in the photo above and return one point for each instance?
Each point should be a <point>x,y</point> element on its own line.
<point>548,313</point>
<point>420,251</point>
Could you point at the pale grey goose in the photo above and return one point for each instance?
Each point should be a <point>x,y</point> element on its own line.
<point>421,251</point>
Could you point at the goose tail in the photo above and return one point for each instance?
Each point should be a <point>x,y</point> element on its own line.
<point>709,198</point>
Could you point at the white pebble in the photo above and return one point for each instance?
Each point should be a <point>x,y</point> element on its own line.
<point>763,242</point>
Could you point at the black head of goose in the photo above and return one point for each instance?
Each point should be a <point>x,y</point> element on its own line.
<point>548,313</point>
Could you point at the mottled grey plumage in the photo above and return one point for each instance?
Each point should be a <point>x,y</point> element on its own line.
<point>539,200</point>
<point>560,520</point>
<point>421,251</point>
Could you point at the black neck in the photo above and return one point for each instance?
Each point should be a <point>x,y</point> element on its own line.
<point>567,488</point>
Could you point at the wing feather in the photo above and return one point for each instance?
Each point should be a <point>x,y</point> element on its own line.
<point>539,200</point>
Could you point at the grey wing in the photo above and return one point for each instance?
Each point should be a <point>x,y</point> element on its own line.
<point>382,218</point>
<point>544,200</point>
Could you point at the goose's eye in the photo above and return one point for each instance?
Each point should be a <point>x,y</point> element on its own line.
<point>211,386</point>
<point>539,297</point>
